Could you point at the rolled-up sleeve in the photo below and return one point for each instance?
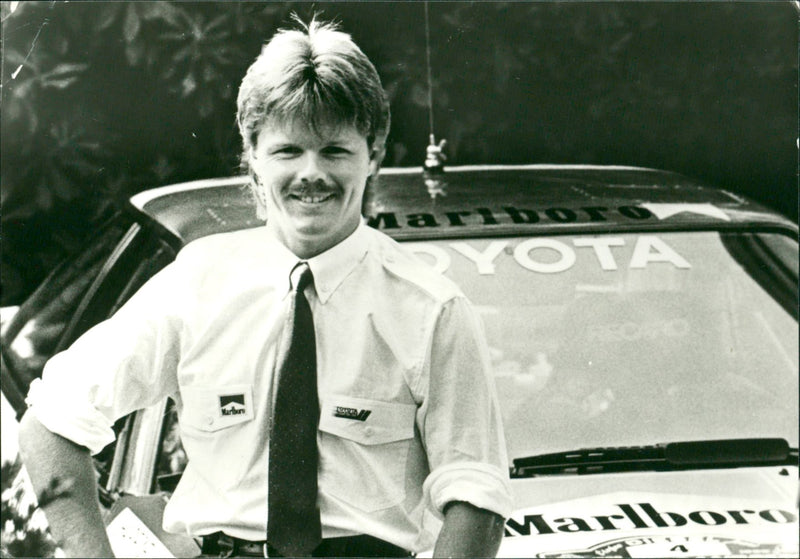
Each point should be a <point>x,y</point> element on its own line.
<point>461,421</point>
<point>122,364</point>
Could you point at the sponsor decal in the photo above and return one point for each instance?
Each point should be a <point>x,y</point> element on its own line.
<point>232,404</point>
<point>524,216</point>
<point>509,215</point>
<point>553,256</point>
<point>351,413</point>
<point>673,546</point>
<point>645,516</point>
<point>666,211</point>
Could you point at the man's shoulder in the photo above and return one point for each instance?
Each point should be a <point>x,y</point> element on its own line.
<point>222,260</point>
<point>405,266</point>
<point>223,248</point>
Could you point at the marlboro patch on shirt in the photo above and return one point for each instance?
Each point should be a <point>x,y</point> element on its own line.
<point>232,404</point>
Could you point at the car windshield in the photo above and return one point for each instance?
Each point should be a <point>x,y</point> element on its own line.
<point>635,339</point>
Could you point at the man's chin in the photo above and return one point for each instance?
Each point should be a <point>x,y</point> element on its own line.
<point>313,240</point>
<point>312,231</point>
<point>309,234</point>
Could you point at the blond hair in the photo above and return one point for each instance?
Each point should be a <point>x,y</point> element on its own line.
<point>317,76</point>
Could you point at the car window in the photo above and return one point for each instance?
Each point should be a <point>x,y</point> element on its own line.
<point>82,291</point>
<point>136,258</point>
<point>618,340</point>
<point>37,329</point>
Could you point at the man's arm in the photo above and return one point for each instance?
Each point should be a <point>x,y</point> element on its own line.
<point>469,531</point>
<point>73,512</point>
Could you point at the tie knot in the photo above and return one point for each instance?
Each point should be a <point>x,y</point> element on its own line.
<point>301,276</point>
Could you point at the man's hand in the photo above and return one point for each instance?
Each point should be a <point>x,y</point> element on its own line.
<point>469,531</point>
<point>62,474</point>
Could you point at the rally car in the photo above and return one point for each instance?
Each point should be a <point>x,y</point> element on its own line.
<point>643,329</point>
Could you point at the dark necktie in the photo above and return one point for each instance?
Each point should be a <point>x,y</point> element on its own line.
<point>293,521</point>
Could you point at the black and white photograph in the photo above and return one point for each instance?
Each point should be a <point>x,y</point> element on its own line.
<point>399,279</point>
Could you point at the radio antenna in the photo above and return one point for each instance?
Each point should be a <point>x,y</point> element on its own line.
<point>434,157</point>
<point>428,67</point>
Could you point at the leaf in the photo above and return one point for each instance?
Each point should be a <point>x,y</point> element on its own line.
<point>162,168</point>
<point>22,109</point>
<point>210,74</point>
<point>164,11</point>
<point>182,54</point>
<point>21,89</point>
<point>109,11</point>
<point>419,95</point>
<point>188,85</point>
<point>205,105</point>
<point>61,83</point>
<point>227,91</point>
<point>134,52</point>
<point>219,21</point>
<point>68,67</point>
<point>131,25</point>
<point>13,56</point>
<point>44,198</point>
<point>173,36</point>
<point>61,44</point>
<point>63,75</point>
<point>169,72</point>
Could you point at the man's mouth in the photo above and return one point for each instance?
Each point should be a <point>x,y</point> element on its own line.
<point>308,195</point>
<point>312,198</point>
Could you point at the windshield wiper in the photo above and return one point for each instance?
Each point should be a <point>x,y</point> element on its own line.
<point>724,453</point>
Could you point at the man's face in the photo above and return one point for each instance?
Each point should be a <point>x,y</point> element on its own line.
<point>312,183</point>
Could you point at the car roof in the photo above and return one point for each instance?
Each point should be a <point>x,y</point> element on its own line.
<point>489,200</point>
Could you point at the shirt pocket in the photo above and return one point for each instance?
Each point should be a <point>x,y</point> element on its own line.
<point>364,447</point>
<point>213,422</point>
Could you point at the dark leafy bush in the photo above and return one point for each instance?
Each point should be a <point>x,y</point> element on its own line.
<point>104,99</point>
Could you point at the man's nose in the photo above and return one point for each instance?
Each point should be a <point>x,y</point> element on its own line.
<point>312,169</point>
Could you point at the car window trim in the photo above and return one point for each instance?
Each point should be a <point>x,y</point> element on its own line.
<point>515,230</point>
<point>138,277</point>
<point>137,476</point>
<point>116,255</point>
<point>760,262</point>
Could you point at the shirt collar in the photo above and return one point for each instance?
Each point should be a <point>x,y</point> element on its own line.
<point>332,266</point>
<point>329,268</point>
<point>281,262</point>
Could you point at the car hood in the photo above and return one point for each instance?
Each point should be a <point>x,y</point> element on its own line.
<point>709,513</point>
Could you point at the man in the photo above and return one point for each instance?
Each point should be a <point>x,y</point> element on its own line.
<point>401,424</point>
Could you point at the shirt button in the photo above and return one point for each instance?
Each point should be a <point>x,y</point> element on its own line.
<point>368,431</point>
<point>209,420</point>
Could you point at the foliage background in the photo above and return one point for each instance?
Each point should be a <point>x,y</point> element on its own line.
<point>104,99</point>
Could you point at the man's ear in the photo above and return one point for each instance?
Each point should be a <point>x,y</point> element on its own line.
<point>375,159</point>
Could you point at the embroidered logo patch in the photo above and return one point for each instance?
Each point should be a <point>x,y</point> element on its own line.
<point>232,404</point>
<point>351,413</point>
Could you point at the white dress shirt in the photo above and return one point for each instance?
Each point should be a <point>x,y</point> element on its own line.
<point>409,418</point>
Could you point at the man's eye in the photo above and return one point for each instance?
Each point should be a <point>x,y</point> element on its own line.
<point>335,150</point>
<point>287,150</point>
